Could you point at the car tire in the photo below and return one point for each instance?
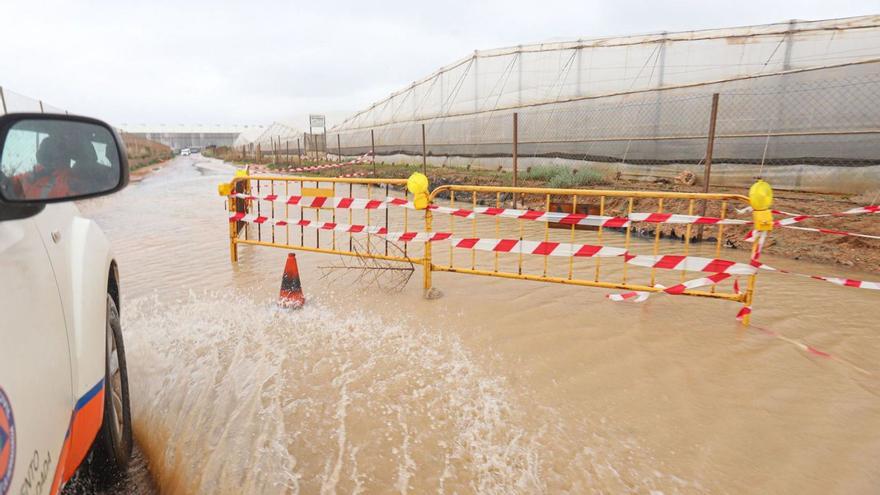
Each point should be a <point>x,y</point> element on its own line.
<point>112,450</point>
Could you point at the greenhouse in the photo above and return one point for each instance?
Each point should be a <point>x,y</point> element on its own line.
<point>794,102</point>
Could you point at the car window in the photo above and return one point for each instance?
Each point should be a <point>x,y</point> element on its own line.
<point>56,159</point>
<point>20,151</point>
<point>101,152</point>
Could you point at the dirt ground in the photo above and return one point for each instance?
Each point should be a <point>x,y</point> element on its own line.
<point>859,253</point>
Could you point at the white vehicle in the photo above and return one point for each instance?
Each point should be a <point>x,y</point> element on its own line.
<point>63,381</point>
<point>184,152</point>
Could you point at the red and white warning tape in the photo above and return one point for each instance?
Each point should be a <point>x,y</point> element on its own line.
<point>545,248</point>
<point>639,296</point>
<point>684,219</point>
<point>326,201</point>
<point>691,263</point>
<point>361,159</point>
<point>281,222</point>
<point>542,248</point>
<point>632,296</point>
<point>539,216</point>
<point>357,174</point>
<point>852,211</point>
<point>794,218</point>
<point>843,282</point>
<point>833,232</point>
<point>553,217</point>
<point>341,227</point>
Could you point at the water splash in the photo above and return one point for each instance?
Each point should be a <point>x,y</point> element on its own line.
<point>230,395</point>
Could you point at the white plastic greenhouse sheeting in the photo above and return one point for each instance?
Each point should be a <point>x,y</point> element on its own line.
<point>551,72</point>
<point>277,132</point>
<point>12,102</point>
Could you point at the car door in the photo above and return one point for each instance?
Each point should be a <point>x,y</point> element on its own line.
<point>36,398</point>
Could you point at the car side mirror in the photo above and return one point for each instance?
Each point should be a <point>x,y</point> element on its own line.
<point>47,158</point>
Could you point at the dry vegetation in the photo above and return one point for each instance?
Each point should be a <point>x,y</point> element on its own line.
<point>143,152</point>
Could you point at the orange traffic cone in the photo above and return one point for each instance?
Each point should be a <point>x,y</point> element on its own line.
<point>291,295</point>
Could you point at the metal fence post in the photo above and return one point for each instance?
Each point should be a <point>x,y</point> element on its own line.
<point>373,151</point>
<point>710,143</point>
<point>2,100</point>
<point>710,148</point>
<point>338,148</point>
<point>299,152</point>
<point>515,153</point>
<point>424,152</point>
<point>315,140</point>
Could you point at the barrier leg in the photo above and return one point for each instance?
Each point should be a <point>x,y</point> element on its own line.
<point>426,263</point>
<point>750,289</point>
<point>233,234</point>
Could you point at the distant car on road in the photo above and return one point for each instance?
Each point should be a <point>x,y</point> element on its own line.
<point>185,152</point>
<point>64,395</point>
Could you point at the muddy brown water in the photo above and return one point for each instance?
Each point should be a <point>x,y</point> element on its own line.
<point>500,386</point>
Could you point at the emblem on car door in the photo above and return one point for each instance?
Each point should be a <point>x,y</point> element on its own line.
<point>7,443</point>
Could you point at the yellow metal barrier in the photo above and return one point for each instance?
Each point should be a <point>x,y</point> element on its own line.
<point>604,203</point>
<point>295,237</point>
<point>609,273</point>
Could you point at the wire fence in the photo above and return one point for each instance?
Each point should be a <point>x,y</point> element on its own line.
<point>815,130</point>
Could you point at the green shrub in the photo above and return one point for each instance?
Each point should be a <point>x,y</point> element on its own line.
<point>546,172</point>
<point>570,179</point>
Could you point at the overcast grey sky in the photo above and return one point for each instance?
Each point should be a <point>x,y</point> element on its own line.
<point>215,62</point>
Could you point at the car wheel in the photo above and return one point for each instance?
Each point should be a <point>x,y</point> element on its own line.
<point>114,442</point>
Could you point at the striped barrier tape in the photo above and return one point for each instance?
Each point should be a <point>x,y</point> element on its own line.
<point>833,232</point>
<point>622,222</point>
<point>722,268</point>
<point>357,174</point>
<point>691,263</point>
<point>553,217</point>
<point>843,282</point>
<point>360,159</point>
<point>684,219</point>
<point>852,211</point>
<point>794,218</point>
<point>535,215</point>
<point>542,248</point>
<point>326,201</point>
<point>750,236</point>
<point>360,203</point>
<point>280,222</point>
<point>561,217</point>
<point>639,296</point>
<point>633,296</point>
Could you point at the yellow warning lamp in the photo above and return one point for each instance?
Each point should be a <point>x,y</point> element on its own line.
<point>224,189</point>
<point>417,184</point>
<point>761,199</point>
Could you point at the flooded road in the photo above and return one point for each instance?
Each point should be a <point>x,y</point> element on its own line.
<point>500,386</point>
